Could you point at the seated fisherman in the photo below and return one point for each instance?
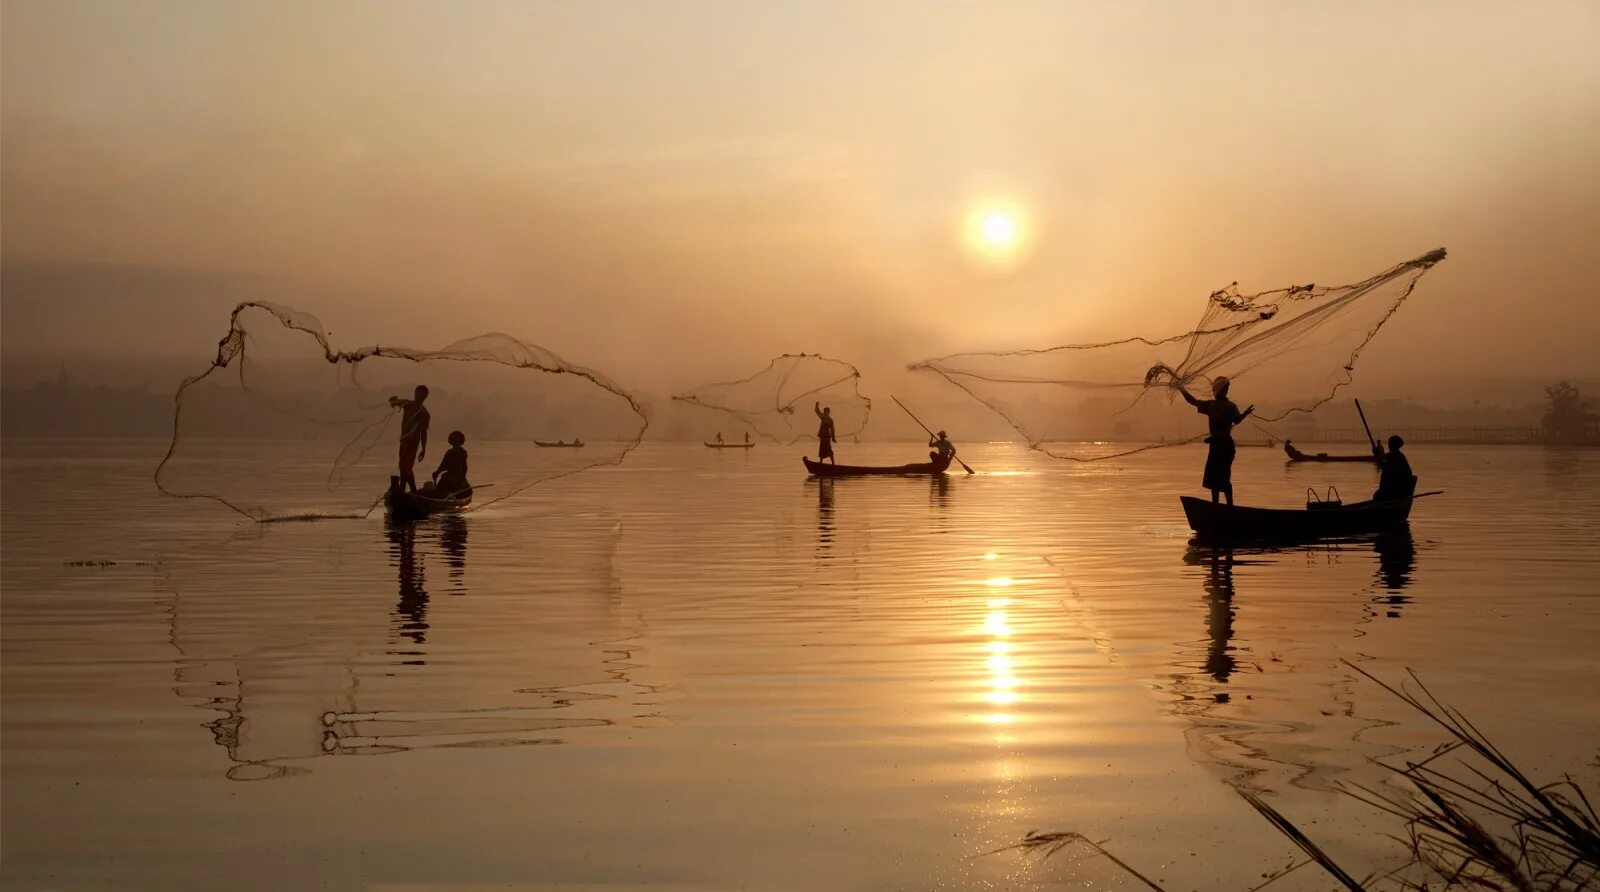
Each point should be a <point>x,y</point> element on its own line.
<point>450,479</point>
<point>1395,481</point>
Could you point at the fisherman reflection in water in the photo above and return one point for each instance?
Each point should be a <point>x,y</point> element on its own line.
<point>411,611</point>
<point>825,436</point>
<point>450,478</point>
<point>1395,481</point>
<point>413,434</point>
<point>1220,661</point>
<point>1223,415</point>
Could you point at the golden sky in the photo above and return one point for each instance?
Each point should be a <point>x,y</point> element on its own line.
<point>676,191</point>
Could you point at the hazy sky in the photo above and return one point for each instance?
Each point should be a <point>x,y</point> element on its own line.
<point>675,191</point>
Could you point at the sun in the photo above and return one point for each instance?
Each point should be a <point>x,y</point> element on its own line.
<point>999,229</point>
<point>997,234</point>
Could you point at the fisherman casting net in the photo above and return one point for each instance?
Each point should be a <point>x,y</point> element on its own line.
<point>777,403</point>
<point>284,425</point>
<point>1288,350</point>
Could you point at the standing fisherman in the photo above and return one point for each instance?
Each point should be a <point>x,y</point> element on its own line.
<point>825,437</point>
<point>414,421</point>
<point>1223,415</point>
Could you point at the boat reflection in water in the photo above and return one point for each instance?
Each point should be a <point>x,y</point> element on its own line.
<point>1264,714</point>
<point>349,672</point>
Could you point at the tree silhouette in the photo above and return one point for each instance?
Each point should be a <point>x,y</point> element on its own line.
<point>1568,418</point>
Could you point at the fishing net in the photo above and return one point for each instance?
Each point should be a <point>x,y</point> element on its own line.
<point>283,425</point>
<point>1288,350</point>
<point>777,402</point>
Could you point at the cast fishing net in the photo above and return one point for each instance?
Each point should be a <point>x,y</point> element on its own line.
<point>778,402</point>
<point>1288,350</point>
<point>283,425</point>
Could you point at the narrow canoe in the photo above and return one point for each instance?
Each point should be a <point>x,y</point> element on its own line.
<point>824,469</point>
<point>730,445</point>
<point>1296,455</point>
<point>403,505</point>
<point>575,444</point>
<point>1213,521</point>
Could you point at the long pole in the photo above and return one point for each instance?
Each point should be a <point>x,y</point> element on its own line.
<point>1370,438</point>
<point>929,430</point>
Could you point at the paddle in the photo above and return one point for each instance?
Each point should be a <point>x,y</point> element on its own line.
<point>457,493</point>
<point>930,432</point>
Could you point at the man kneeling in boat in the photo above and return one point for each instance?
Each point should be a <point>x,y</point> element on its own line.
<point>1395,481</point>
<point>944,450</point>
<point>450,479</point>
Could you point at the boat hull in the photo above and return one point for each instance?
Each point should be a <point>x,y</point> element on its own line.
<point>1217,522</point>
<point>413,506</point>
<point>730,445</point>
<point>1297,455</point>
<point>924,469</point>
<point>558,445</point>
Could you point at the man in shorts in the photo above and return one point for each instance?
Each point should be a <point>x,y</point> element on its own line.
<point>413,434</point>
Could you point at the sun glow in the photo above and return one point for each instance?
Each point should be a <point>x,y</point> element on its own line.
<point>997,234</point>
<point>999,229</point>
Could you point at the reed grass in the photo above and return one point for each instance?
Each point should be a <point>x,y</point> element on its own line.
<point>1472,820</point>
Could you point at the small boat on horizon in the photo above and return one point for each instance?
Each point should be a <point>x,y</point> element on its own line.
<point>730,445</point>
<point>1296,455</point>
<point>559,444</point>
<point>927,468</point>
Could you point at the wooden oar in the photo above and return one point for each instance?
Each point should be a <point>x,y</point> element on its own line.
<point>930,432</point>
<point>457,493</point>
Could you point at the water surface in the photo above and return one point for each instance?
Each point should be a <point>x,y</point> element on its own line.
<point>703,669</point>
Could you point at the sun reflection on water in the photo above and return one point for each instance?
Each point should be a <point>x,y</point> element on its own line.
<point>1001,677</point>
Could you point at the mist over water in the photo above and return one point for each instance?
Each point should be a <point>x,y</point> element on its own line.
<point>706,669</point>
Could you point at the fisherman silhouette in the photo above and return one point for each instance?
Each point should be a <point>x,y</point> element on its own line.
<point>825,436</point>
<point>1223,415</point>
<point>1395,480</point>
<point>414,422</point>
<point>450,478</point>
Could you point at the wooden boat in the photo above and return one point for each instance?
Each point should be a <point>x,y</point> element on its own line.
<point>824,469</point>
<point>559,444</point>
<point>1296,455</point>
<point>730,445</point>
<point>403,505</point>
<point>1219,522</point>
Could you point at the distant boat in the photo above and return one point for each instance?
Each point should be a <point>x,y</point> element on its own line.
<point>927,468</point>
<point>1219,522</point>
<point>402,505</point>
<point>730,445</point>
<point>559,444</point>
<point>1296,455</point>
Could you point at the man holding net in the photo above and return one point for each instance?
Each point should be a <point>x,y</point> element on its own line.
<point>1222,415</point>
<point>414,421</point>
<point>825,434</point>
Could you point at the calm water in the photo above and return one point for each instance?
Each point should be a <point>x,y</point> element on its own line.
<point>703,670</point>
